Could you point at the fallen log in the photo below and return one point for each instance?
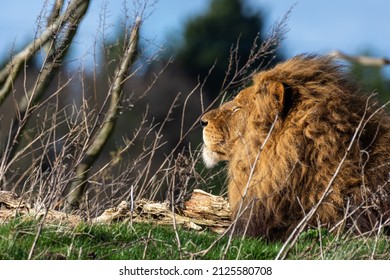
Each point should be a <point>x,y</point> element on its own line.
<point>201,211</point>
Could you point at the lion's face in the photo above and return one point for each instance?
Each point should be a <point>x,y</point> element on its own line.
<point>224,127</point>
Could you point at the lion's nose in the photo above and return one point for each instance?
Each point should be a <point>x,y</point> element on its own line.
<point>203,123</point>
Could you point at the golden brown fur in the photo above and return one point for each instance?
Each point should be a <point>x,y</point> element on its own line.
<point>285,136</point>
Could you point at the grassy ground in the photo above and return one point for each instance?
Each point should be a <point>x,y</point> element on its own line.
<point>146,241</point>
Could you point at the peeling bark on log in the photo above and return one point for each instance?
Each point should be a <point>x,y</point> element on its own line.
<point>11,206</point>
<point>202,210</point>
<point>203,205</point>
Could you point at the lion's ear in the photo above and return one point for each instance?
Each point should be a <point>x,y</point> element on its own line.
<point>283,97</point>
<point>277,90</point>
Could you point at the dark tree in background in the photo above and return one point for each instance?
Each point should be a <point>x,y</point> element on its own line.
<point>210,38</point>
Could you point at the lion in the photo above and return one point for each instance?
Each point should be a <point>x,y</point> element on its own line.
<point>303,136</point>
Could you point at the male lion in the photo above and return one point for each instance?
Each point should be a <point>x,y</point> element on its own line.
<point>302,136</point>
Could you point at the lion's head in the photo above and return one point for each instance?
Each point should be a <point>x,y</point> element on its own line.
<point>284,138</point>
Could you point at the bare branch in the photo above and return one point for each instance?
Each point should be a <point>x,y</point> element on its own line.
<point>361,59</point>
<point>9,73</point>
<point>79,184</point>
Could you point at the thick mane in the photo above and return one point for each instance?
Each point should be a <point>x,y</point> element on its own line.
<point>313,119</point>
<point>308,73</point>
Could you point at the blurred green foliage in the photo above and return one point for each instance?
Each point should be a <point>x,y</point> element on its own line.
<point>372,79</point>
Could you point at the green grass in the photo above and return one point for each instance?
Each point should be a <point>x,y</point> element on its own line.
<point>147,241</point>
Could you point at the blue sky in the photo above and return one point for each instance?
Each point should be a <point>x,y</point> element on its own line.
<point>314,25</point>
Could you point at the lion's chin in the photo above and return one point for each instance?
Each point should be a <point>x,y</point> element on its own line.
<point>210,158</point>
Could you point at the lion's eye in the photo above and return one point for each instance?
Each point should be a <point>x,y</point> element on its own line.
<point>235,109</point>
